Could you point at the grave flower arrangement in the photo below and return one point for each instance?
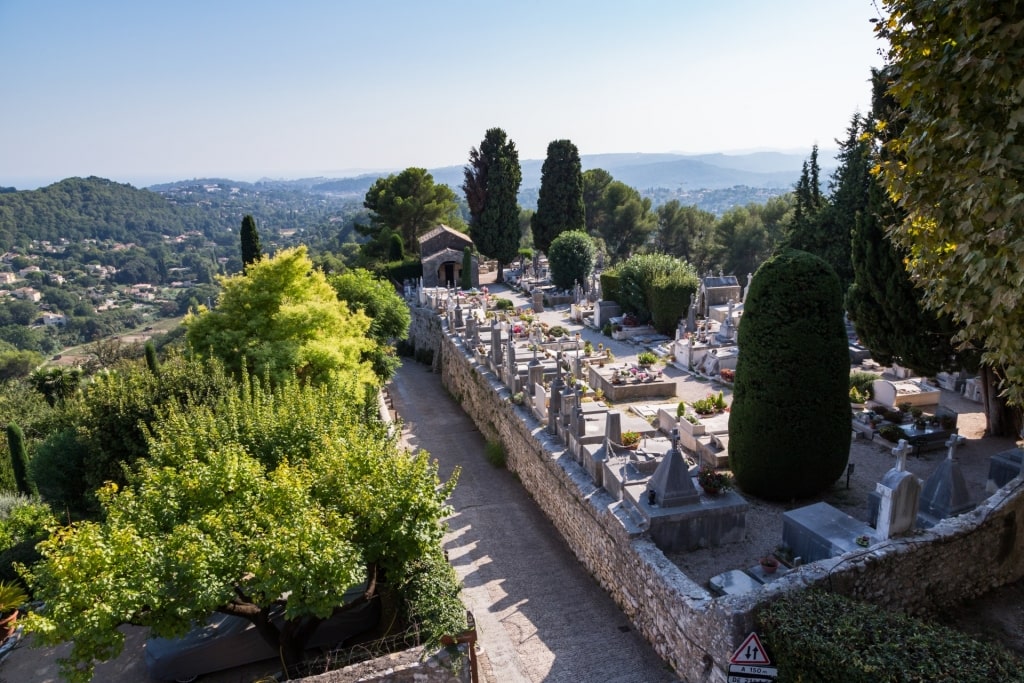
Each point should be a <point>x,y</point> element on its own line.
<point>713,481</point>
<point>630,439</point>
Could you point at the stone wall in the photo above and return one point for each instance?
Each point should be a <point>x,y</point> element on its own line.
<point>694,632</point>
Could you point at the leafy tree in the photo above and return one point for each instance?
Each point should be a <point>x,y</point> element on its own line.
<point>15,364</point>
<point>491,185</point>
<point>625,219</point>
<point>886,308</point>
<point>56,384</point>
<point>683,232</point>
<point>250,238</point>
<point>637,277</point>
<point>280,498</point>
<point>560,201</point>
<point>571,257</point>
<point>743,241</point>
<point>282,319</point>
<point>956,169</point>
<point>782,446</point>
<point>594,183</point>
<point>409,204</point>
<point>388,312</point>
<point>19,460</point>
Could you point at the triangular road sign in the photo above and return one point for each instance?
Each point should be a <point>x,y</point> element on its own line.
<point>750,652</point>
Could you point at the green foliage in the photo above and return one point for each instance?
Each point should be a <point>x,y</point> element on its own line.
<point>557,331</point>
<point>151,360</point>
<point>292,492</point>
<point>388,312</point>
<point>710,404</point>
<point>955,169</point>
<point>502,304</point>
<point>250,242</point>
<point>786,444</point>
<point>16,364</point>
<point>466,274</point>
<point>630,438</point>
<point>610,282</point>
<point>410,204</point>
<point>492,181</point>
<point>815,636</point>
<point>24,522</point>
<point>396,248</point>
<point>669,297</point>
<point>639,275</point>
<point>400,271</point>
<point>56,384</point>
<point>646,358</point>
<point>431,591</point>
<point>495,454</point>
<point>560,200</point>
<point>19,460</point>
<point>711,479</point>
<point>863,382</point>
<point>624,219</point>
<point>571,257</point>
<point>282,319</point>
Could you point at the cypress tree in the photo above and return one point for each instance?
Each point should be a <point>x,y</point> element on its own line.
<point>492,181</point>
<point>466,276</point>
<point>19,460</point>
<point>151,360</point>
<point>560,200</point>
<point>251,251</point>
<point>789,425</point>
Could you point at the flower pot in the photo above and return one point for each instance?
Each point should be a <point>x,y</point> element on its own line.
<point>711,490</point>
<point>7,625</point>
<point>769,565</point>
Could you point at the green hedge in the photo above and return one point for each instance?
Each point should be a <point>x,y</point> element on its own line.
<point>400,271</point>
<point>789,425</point>
<point>669,299</point>
<point>610,285</point>
<point>815,636</point>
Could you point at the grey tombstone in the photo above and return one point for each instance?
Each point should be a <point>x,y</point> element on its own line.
<point>555,409</point>
<point>671,482</point>
<point>945,492</point>
<point>496,344</point>
<point>538,301</point>
<point>900,493</point>
<point>459,323</point>
<point>613,427</point>
<point>536,373</point>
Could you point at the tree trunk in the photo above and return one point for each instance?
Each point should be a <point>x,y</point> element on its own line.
<point>500,277</point>
<point>1001,419</point>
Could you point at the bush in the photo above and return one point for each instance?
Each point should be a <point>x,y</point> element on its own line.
<point>571,257</point>
<point>786,444</point>
<point>637,278</point>
<point>495,454</point>
<point>646,358</point>
<point>670,297</point>
<point>503,304</point>
<point>863,382</point>
<point>610,285</point>
<point>817,636</point>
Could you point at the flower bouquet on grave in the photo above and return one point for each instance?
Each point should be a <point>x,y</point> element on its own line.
<point>713,481</point>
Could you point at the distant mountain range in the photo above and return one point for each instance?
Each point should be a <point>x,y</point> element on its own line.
<point>777,170</point>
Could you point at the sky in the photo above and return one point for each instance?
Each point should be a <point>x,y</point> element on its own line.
<point>145,92</point>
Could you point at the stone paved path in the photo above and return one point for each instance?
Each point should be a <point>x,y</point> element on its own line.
<point>540,616</point>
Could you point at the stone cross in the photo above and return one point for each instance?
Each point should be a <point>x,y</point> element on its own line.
<point>952,443</point>
<point>900,451</point>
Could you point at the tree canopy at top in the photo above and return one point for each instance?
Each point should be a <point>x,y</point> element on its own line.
<point>281,319</point>
<point>560,200</point>
<point>957,167</point>
<point>410,204</point>
<point>492,181</point>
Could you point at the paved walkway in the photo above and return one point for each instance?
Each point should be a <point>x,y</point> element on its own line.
<point>540,616</point>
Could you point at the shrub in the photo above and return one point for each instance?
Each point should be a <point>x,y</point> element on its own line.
<point>646,358</point>
<point>818,636</point>
<point>669,296</point>
<point>891,432</point>
<point>610,285</point>
<point>637,278</point>
<point>792,328</point>
<point>571,257</point>
<point>495,454</point>
<point>630,438</point>
<point>557,331</point>
<point>863,382</point>
<point>501,304</point>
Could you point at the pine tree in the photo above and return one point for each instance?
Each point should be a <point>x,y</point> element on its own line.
<point>251,250</point>
<point>560,200</point>
<point>492,181</point>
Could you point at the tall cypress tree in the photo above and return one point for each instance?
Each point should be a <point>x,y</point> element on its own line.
<point>19,460</point>
<point>251,250</point>
<point>560,200</point>
<point>492,181</point>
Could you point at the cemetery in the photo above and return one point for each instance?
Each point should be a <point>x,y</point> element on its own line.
<point>637,516</point>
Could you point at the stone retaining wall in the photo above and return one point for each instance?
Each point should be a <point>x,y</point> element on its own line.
<point>694,632</point>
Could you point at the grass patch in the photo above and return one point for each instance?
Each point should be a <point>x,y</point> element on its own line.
<point>495,454</point>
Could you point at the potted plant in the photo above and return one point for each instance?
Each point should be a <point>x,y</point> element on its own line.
<point>713,481</point>
<point>12,597</point>
<point>769,564</point>
<point>646,359</point>
<point>631,439</point>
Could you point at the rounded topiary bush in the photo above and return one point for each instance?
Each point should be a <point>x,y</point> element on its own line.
<point>571,258</point>
<point>789,425</point>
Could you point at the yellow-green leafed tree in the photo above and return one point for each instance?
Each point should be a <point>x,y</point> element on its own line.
<point>282,319</point>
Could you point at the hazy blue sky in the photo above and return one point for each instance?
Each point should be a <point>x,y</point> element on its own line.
<point>141,91</point>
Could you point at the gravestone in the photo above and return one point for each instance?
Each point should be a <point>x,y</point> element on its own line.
<point>538,301</point>
<point>672,481</point>
<point>900,494</point>
<point>555,403</point>
<point>945,492</point>
<point>613,427</point>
